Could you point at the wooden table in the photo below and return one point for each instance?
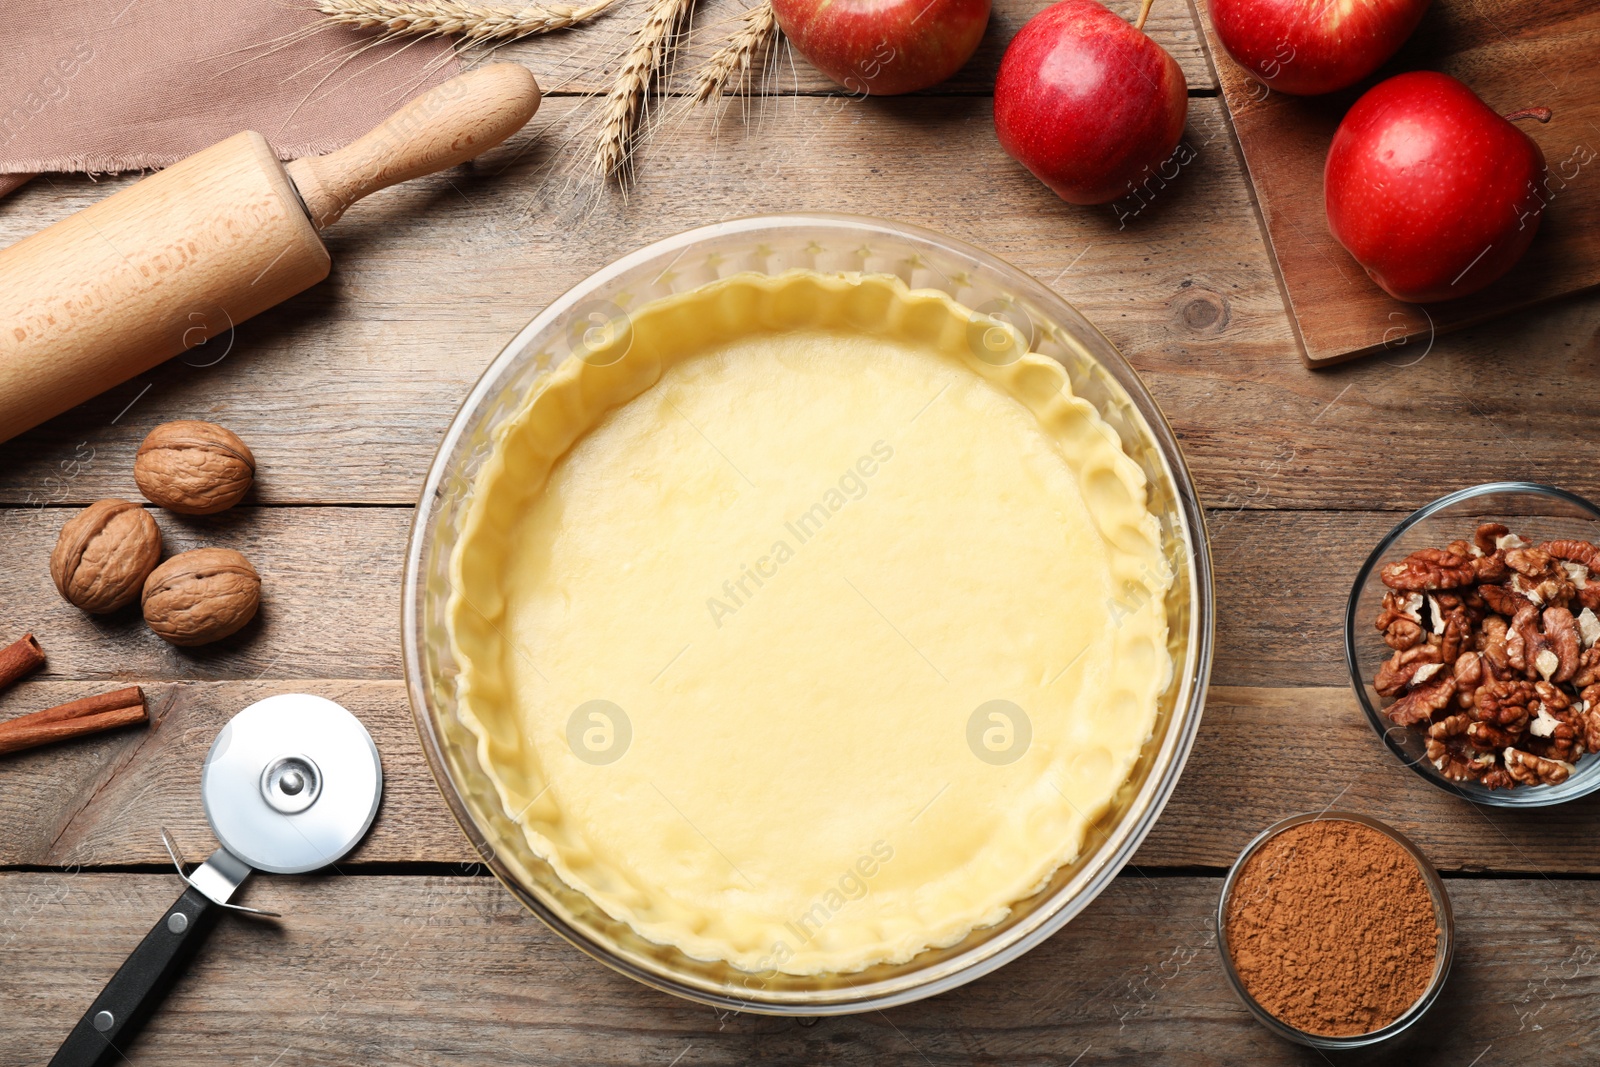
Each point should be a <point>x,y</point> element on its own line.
<point>410,953</point>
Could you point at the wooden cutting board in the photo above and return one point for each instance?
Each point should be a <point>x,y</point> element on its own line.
<point>1514,54</point>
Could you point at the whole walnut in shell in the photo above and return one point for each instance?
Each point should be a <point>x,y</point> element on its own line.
<point>201,596</point>
<point>104,554</point>
<point>193,468</point>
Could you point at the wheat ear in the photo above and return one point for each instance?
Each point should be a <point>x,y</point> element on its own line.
<point>619,116</point>
<point>455,18</point>
<point>732,62</point>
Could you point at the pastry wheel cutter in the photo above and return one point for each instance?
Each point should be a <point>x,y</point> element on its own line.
<point>290,785</point>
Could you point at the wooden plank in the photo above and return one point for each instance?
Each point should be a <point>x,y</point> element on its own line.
<point>585,61</point>
<point>451,970</point>
<point>344,391</point>
<point>1262,755</point>
<point>1513,56</point>
<point>331,591</point>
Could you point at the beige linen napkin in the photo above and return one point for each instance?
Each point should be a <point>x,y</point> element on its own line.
<point>113,85</point>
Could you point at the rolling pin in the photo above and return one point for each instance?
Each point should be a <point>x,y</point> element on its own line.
<point>194,250</point>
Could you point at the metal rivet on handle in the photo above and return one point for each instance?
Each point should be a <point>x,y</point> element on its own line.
<point>104,1020</point>
<point>177,922</point>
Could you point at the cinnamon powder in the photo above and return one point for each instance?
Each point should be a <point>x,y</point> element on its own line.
<point>1332,929</point>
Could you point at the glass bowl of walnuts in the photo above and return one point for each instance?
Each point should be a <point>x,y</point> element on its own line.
<point>1473,641</point>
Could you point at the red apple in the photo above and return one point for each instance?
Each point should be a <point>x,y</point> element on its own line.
<point>1307,47</point>
<point>1088,102</point>
<point>884,47</point>
<point>1432,192</point>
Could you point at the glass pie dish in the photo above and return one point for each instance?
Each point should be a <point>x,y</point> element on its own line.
<point>830,244</point>
<point>1537,512</point>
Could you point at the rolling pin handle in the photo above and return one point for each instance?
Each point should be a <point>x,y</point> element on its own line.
<point>445,126</point>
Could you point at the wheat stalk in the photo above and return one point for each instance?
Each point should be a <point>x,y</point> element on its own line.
<point>750,40</point>
<point>473,22</point>
<point>619,116</point>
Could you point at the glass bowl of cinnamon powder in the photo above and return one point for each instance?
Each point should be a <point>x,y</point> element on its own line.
<point>1335,930</point>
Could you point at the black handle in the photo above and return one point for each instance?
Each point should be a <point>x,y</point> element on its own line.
<point>139,984</point>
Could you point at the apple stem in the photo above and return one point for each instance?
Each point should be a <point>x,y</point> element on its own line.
<point>1540,113</point>
<point>1144,13</point>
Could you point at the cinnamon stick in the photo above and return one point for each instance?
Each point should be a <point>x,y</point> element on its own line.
<point>20,657</point>
<point>77,718</point>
